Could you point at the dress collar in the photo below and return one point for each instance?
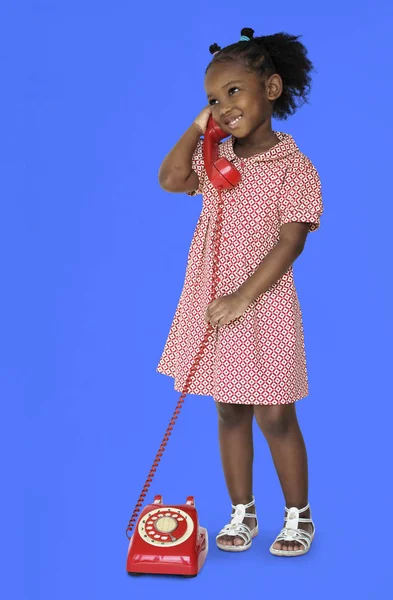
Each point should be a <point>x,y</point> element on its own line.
<point>285,147</point>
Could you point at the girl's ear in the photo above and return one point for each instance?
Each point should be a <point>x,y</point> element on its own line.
<point>274,86</point>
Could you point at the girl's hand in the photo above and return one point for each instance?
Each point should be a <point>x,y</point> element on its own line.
<point>226,309</point>
<point>203,117</point>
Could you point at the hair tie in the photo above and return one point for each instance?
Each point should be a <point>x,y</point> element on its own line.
<point>244,38</point>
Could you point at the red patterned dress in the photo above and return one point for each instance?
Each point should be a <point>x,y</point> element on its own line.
<point>259,358</point>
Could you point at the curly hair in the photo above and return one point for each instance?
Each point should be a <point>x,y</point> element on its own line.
<point>265,55</point>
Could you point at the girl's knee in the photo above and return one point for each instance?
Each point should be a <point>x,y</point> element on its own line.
<point>234,414</point>
<point>275,421</point>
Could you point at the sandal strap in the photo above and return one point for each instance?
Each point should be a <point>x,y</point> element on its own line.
<point>245,505</point>
<point>300,521</point>
<point>295,533</point>
<point>237,530</point>
<point>298,535</point>
<point>299,509</point>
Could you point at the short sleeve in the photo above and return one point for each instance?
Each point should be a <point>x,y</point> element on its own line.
<point>199,168</point>
<point>301,196</point>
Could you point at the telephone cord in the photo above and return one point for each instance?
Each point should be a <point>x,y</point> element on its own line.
<point>179,405</point>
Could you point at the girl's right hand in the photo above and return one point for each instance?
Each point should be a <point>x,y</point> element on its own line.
<point>203,118</point>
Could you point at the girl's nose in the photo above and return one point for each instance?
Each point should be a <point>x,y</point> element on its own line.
<point>224,111</point>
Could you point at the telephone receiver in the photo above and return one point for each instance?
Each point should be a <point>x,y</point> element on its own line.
<point>221,172</point>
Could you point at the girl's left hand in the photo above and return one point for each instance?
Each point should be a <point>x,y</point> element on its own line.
<point>226,309</point>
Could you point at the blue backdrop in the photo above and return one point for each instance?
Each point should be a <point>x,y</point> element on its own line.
<point>93,258</point>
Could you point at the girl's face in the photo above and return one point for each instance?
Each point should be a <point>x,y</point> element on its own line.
<point>241,103</point>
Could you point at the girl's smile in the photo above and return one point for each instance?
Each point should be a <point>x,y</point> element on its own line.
<point>233,122</point>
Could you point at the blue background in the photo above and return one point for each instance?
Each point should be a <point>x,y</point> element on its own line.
<point>93,257</point>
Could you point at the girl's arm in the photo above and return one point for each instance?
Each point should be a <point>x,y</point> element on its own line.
<point>176,173</point>
<point>277,262</point>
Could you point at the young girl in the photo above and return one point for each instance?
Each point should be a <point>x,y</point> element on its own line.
<point>254,364</point>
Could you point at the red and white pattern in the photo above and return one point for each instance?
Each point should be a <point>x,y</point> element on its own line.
<point>260,357</point>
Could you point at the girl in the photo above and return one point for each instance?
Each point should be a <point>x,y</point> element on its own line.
<point>255,363</point>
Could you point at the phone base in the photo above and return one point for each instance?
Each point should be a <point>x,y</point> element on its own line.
<point>168,541</point>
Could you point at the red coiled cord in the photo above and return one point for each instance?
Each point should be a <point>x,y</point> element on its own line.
<point>168,431</point>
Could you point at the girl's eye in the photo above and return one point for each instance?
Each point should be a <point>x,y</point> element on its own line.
<point>233,89</point>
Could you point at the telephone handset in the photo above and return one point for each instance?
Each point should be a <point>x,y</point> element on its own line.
<point>168,538</point>
<point>221,172</point>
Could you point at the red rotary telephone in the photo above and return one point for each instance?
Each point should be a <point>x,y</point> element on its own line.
<point>168,538</point>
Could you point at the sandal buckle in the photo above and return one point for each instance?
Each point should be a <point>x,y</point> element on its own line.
<point>292,521</point>
<point>238,515</point>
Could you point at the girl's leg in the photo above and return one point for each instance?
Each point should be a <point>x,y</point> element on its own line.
<point>282,432</point>
<point>237,453</point>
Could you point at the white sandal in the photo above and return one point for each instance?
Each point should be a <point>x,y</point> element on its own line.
<point>237,528</point>
<point>292,533</point>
